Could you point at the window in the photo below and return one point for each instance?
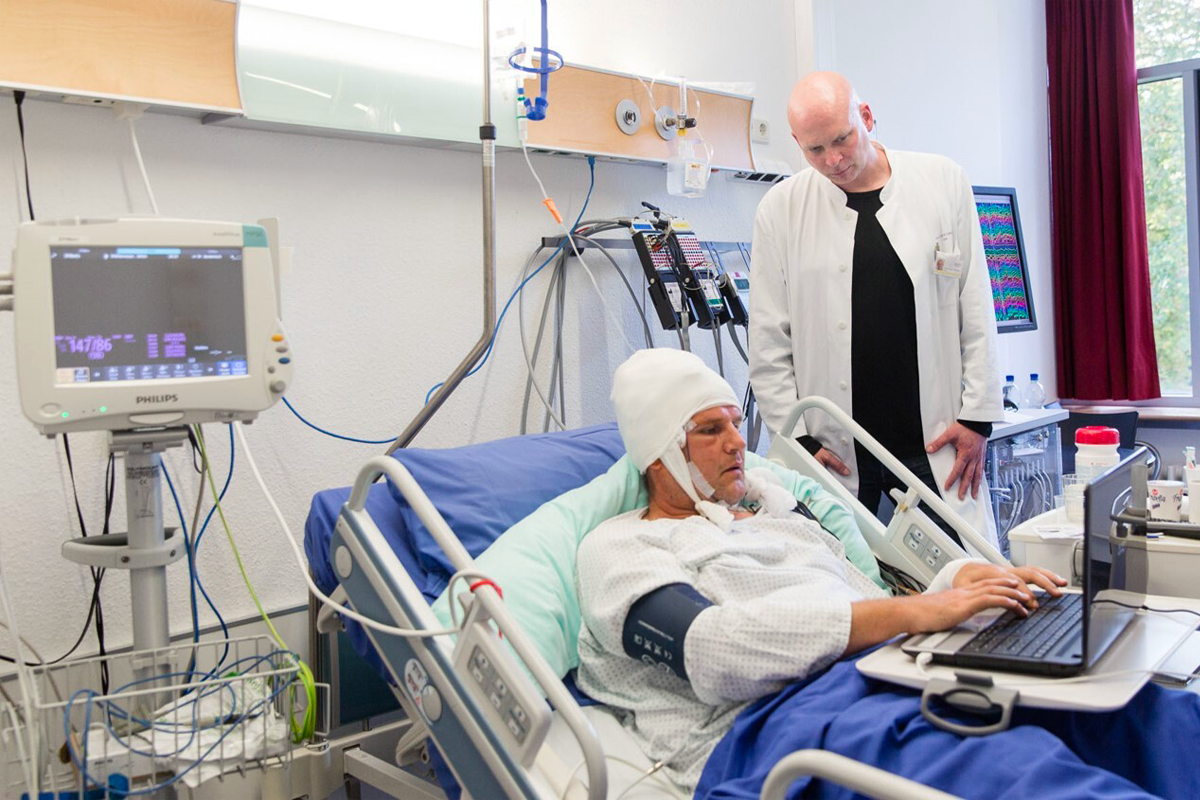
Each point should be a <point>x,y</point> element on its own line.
<point>1167,40</point>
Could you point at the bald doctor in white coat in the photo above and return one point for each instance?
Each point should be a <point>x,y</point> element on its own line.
<point>800,301</point>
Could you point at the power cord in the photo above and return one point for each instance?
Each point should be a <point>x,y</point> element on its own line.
<point>19,100</point>
<point>129,112</point>
<point>302,564</point>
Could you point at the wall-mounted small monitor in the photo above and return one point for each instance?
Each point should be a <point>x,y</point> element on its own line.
<point>1000,222</point>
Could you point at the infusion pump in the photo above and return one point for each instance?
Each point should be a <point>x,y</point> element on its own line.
<point>130,323</point>
<point>686,280</point>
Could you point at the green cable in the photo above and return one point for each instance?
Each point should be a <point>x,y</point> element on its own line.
<point>307,728</point>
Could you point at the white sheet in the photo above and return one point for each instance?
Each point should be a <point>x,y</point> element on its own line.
<point>561,754</point>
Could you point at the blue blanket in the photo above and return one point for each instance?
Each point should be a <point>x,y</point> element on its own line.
<point>1147,749</point>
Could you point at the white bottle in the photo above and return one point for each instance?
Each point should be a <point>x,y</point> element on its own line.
<point>1012,396</point>
<point>1036,395</point>
<point>1095,450</point>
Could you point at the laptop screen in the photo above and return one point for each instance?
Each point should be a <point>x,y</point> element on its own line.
<point>1104,621</point>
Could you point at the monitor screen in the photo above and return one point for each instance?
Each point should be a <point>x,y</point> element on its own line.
<point>145,313</point>
<point>1000,223</point>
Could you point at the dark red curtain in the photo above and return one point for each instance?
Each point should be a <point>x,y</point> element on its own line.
<point>1105,336</point>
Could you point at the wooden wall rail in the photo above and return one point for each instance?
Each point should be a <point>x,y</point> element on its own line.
<point>582,118</point>
<point>172,52</point>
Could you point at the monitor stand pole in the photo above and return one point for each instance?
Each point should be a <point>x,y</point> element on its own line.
<point>145,550</point>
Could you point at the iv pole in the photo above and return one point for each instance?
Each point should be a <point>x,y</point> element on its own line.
<point>487,137</point>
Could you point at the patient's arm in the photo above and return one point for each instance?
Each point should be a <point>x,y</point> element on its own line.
<point>875,621</point>
<point>744,650</point>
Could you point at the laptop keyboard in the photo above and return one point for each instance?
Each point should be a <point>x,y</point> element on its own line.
<point>1033,636</point>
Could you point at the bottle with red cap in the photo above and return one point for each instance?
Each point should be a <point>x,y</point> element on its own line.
<point>1095,450</point>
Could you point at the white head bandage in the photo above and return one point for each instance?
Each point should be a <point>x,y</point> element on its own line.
<point>656,393</point>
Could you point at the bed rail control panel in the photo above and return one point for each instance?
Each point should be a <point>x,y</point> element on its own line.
<point>918,546</point>
<point>926,549</point>
<point>514,708</point>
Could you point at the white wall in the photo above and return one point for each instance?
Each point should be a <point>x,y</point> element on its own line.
<point>967,80</point>
<point>382,302</point>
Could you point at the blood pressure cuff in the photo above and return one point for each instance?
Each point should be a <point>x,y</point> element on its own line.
<point>657,624</point>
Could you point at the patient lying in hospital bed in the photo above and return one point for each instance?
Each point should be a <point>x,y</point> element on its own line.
<point>696,606</point>
<point>833,708</point>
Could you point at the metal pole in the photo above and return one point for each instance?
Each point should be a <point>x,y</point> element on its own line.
<point>487,136</point>
<point>148,584</point>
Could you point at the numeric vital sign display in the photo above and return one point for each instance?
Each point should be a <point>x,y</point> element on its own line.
<point>164,296</point>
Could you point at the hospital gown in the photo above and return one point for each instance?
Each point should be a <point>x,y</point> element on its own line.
<point>781,590</point>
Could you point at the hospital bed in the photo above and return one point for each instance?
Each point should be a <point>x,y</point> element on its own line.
<point>392,548</point>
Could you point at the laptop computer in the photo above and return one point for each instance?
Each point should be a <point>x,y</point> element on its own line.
<point>1066,635</point>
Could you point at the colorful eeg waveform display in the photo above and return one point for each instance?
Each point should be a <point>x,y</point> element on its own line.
<point>1003,251</point>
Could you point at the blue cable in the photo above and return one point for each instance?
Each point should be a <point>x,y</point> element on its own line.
<point>331,433</point>
<point>517,291</point>
<point>225,488</point>
<point>82,765</point>
<point>200,535</point>
<point>487,353</point>
<point>194,574</point>
<point>188,549</point>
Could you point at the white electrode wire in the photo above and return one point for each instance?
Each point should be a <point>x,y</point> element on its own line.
<point>16,724</point>
<point>301,562</point>
<point>27,752</point>
<point>532,171</point>
<point>29,645</point>
<point>645,773</point>
<point>137,151</point>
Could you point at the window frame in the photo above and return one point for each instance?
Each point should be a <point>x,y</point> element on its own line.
<point>1189,74</point>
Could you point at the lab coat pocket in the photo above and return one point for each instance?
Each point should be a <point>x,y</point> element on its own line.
<point>947,289</point>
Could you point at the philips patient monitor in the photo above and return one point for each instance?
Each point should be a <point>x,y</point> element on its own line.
<point>124,323</point>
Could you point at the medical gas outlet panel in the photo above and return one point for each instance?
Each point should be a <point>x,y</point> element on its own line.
<point>684,276</point>
<point>133,323</point>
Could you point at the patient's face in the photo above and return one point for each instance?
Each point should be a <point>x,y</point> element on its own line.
<point>718,450</point>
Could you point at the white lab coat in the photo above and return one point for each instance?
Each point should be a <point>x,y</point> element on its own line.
<point>800,298</point>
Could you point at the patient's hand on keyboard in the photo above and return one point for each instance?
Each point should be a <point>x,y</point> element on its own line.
<point>875,621</point>
<point>1042,578</point>
<point>943,610</point>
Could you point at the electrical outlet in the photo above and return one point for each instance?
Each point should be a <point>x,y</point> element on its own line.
<point>760,131</point>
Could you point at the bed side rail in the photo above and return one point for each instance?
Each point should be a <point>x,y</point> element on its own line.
<point>917,488</point>
<point>491,603</point>
<point>854,775</point>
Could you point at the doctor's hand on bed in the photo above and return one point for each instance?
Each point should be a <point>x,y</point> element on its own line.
<point>970,448</point>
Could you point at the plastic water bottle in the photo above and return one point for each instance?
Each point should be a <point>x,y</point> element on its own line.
<point>1012,396</point>
<point>1036,397</point>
